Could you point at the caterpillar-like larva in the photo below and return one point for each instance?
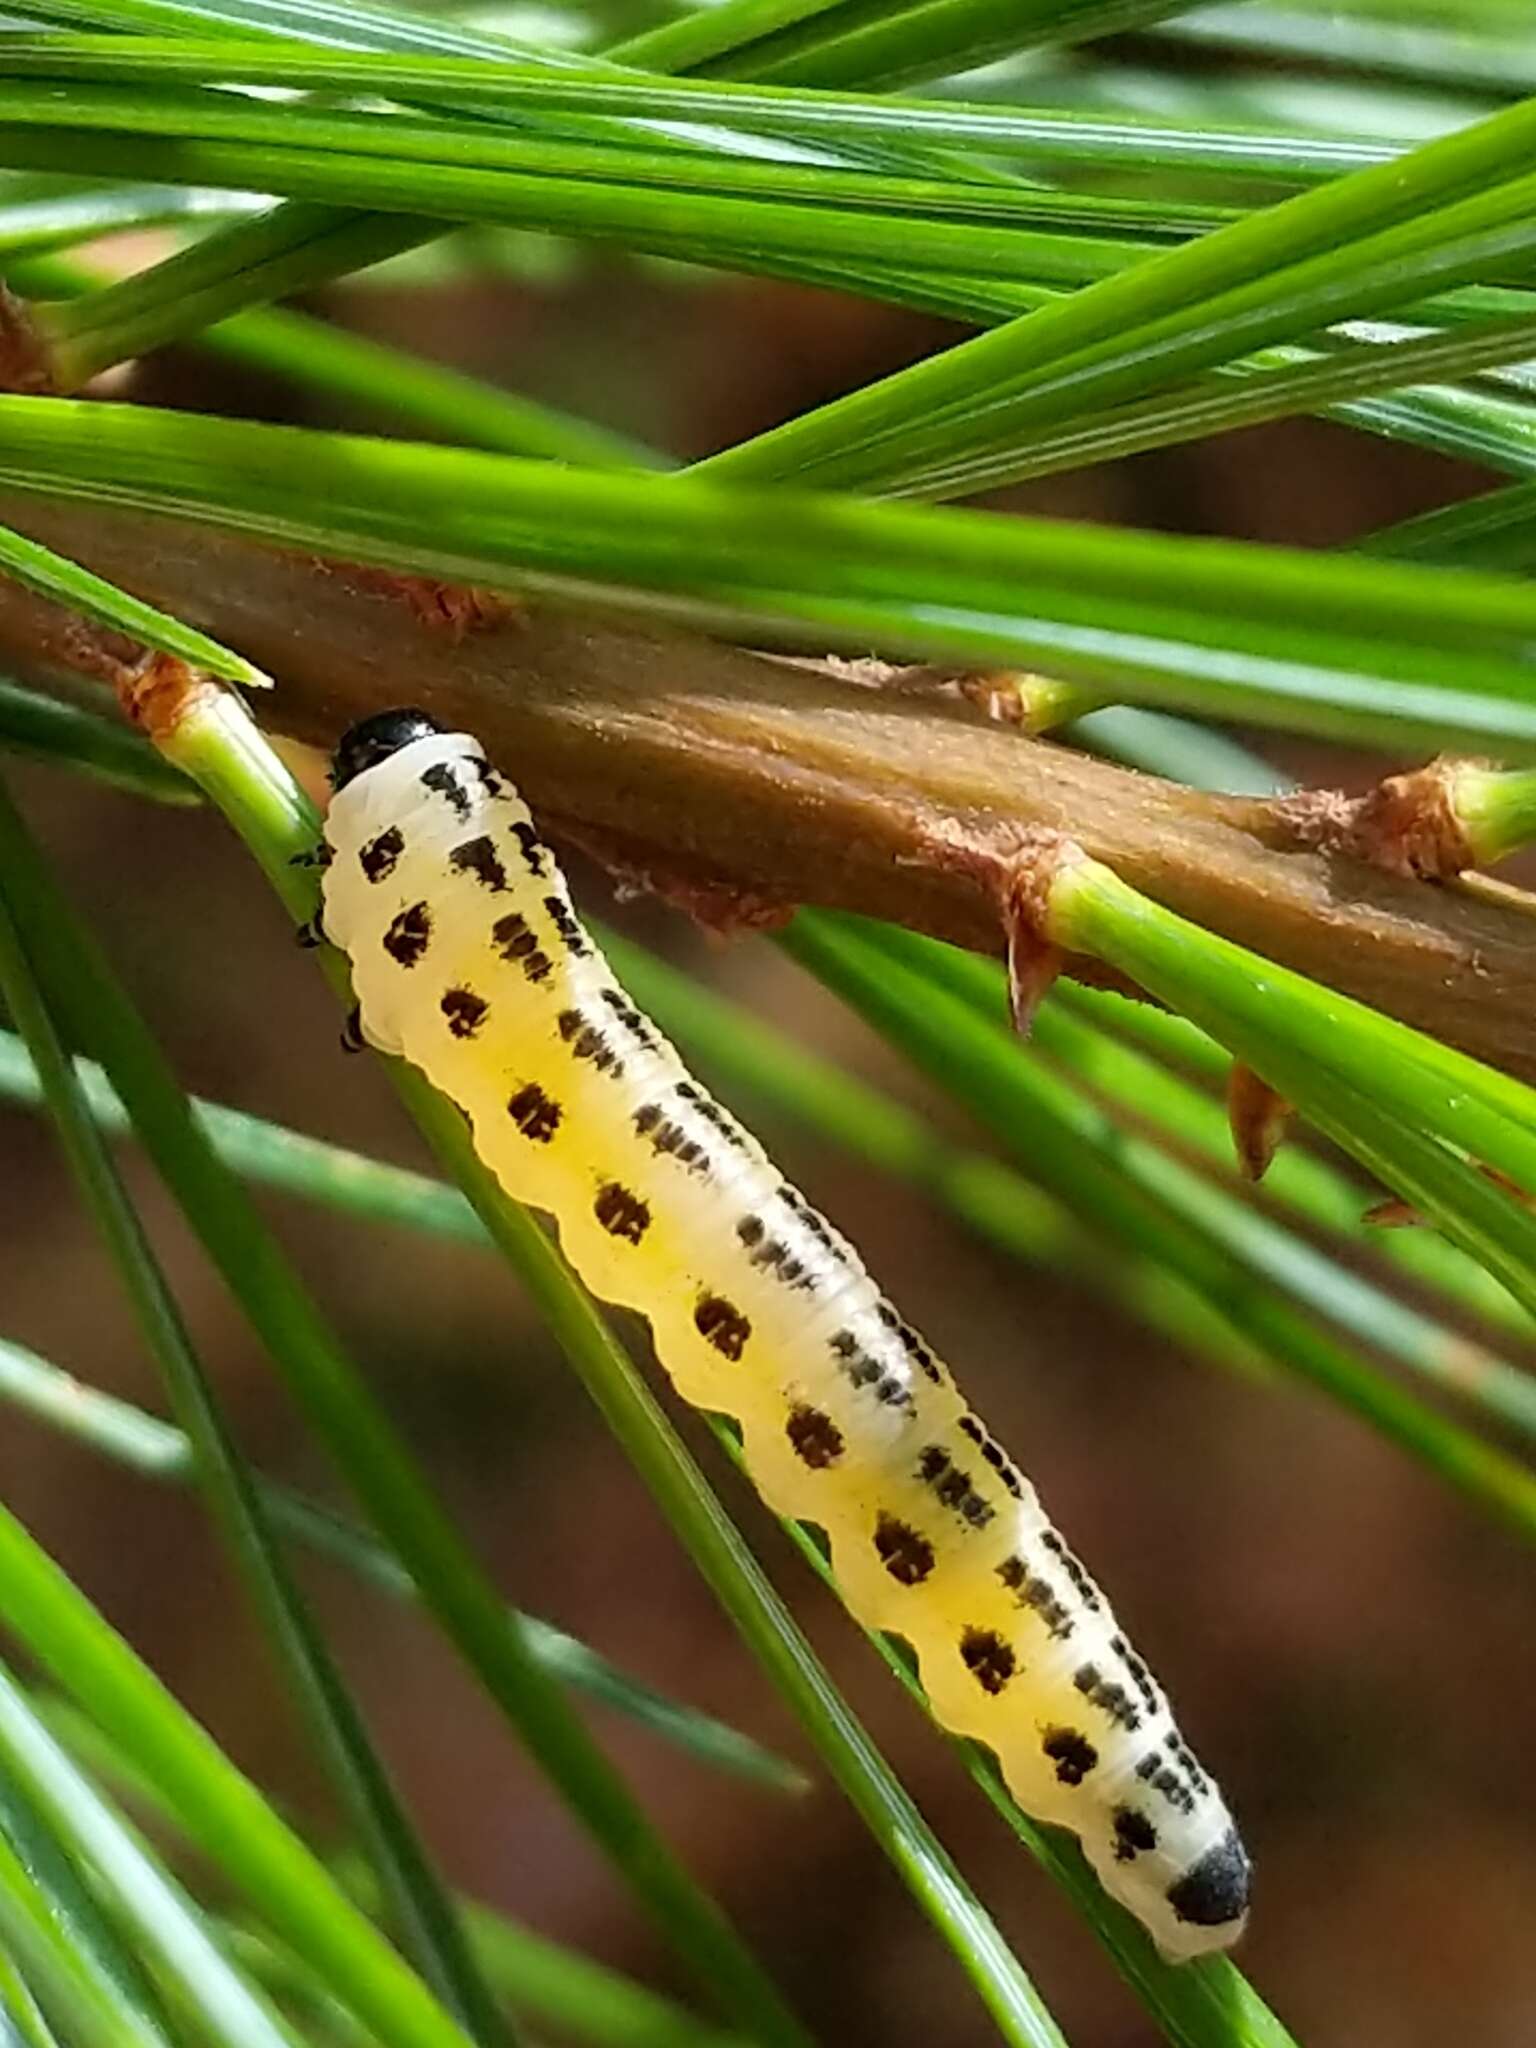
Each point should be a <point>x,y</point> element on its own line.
<point>468,960</point>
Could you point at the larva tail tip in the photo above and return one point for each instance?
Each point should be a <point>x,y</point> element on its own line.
<point>1212,1894</point>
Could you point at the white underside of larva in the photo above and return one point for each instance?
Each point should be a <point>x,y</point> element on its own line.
<point>468,960</point>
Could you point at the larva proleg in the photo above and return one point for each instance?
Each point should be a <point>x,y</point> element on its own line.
<point>469,960</point>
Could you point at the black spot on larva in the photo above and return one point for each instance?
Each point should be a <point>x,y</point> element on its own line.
<point>515,942</point>
<point>863,1369</point>
<point>719,1119</point>
<point>1177,1791</point>
<point>563,918</point>
<point>905,1552</point>
<point>993,1453</point>
<point>513,936</point>
<point>956,1492</point>
<point>1153,1772</point>
<point>674,1143</point>
<point>953,1486</point>
<point>813,1220</point>
<point>588,1043</point>
<point>1072,1753</point>
<point>636,1025</point>
<point>465,1011</point>
<point>592,1045</point>
<point>408,935</point>
<point>1133,1833</point>
<point>1214,1890</point>
<point>721,1324</point>
<point>622,1214</point>
<point>490,781</point>
<point>1038,1594</point>
<point>670,1139</point>
<point>536,1114</point>
<point>988,1658</point>
<point>534,857</point>
<point>1086,1590</point>
<point>773,1255</point>
<point>377,859</point>
<point>916,1349</point>
<point>1109,1698</point>
<point>817,1440</point>
<point>445,781</point>
<point>478,857</point>
<point>1185,1758</point>
<point>777,1257</point>
<point>1141,1677</point>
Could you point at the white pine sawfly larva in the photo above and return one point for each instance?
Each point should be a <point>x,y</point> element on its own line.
<point>469,961</point>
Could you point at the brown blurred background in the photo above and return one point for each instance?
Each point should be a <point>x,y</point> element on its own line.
<point>1348,1642</point>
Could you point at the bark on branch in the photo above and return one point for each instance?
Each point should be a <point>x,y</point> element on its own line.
<point>710,768</point>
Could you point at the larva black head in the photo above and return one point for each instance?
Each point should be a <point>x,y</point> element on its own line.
<point>373,740</point>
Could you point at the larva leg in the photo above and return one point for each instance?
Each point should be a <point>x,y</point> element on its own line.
<point>468,958</point>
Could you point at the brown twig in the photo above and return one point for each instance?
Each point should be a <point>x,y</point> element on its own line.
<point>735,777</point>
<point>1406,824</point>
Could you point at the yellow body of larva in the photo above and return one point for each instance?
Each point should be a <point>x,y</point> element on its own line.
<point>469,961</point>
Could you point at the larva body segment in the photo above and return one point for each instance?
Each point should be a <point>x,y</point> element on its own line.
<point>469,960</point>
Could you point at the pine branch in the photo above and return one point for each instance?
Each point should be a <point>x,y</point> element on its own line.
<point>742,785</point>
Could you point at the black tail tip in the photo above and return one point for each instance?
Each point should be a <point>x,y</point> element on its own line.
<point>372,740</point>
<point>1214,1891</point>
